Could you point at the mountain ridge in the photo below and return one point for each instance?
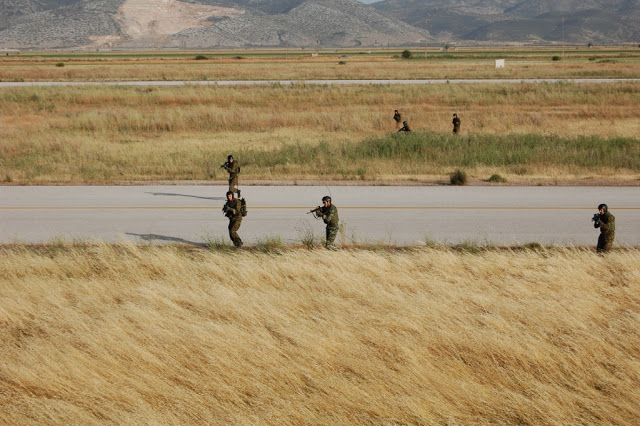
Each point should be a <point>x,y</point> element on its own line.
<point>205,24</point>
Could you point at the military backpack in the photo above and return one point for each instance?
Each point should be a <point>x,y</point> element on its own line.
<point>243,207</point>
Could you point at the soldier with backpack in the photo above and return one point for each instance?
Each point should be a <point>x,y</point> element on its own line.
<point>234,209</point>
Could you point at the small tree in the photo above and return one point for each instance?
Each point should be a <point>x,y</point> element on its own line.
<point>406,54</point>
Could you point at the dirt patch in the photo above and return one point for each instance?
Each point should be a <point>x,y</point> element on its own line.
<point>147,18</point>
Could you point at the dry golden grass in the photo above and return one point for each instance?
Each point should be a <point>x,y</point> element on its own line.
<point>294,65</point>
<point>157,335</point>
<point>112,134</point>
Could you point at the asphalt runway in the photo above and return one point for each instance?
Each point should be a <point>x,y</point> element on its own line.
<point>406,215</point>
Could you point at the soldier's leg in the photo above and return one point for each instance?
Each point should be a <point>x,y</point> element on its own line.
<point>234,225</point>
<point>233,184</point>
<point>602,244</point>
<point>331,234</point>
<point>608,242</point>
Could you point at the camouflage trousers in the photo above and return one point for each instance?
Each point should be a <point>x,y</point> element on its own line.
<point>605,241</point>
<point>234,225</point>
<point>233,184</point>
<point>331,234</point>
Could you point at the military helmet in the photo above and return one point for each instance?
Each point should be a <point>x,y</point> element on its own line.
<point>326,198</point>
<point>603,207</point>
<point>229,157</point>
<point>405,122</point>
<point>229,192</point>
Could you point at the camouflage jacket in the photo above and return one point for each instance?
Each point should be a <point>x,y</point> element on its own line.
<point>232,209</point>
<point>330,216</point>
<point>607,223</point>
<point>456,122</point>
<point>398,117</point>
<point>232,168</point>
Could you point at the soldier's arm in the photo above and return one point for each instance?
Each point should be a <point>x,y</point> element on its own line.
<point>329,215</point>
<point>609,225</point>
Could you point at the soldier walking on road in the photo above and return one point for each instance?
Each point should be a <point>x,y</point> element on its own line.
<point>329,214</point>
<point>607,224</point>
<point>405,127</point>
<point>398,118</point>
<point>456,124</point>
<point>233,210</point>
<point>233,168</point>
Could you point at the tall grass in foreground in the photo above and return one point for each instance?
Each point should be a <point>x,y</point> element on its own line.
<point>127,334</point>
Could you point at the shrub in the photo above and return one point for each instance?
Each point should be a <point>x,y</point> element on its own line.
<point>458,177</point>
<point>556,58</point>
<point>496,178</point>
<point>406,54</point>
<point>200,57</point>
<point>60,64</point>
<point>270,244</point>
<point>342,63</point>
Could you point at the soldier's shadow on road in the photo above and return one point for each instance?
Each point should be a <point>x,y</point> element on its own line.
<point>165,238</point>
<point>169,194</point>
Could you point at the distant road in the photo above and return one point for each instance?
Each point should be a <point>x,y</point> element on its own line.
<point>316,82</point>
<point>404,215</point>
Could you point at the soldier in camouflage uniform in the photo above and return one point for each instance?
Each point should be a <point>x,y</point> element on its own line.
<point>405,127</point>
<point>456,124</point>
<point>233,210</point>
<point>233,168</point>
<point>329,214</point>
<point>398,118</point>
<point>607,224</point>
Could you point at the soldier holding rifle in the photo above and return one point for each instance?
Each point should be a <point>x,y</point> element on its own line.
<point>329,214</point>
<point>607,224</point>
<point>233,168</point>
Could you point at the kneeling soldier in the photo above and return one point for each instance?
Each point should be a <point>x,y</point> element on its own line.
<point>405,127</point>
<point>607,224</point>
<point>233,210</point>
<point>329,214</point>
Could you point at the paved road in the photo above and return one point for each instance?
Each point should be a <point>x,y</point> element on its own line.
<point>400,215</point>
<point>316,82</point>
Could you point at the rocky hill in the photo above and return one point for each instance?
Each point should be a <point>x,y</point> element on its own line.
<point>526,21</point>
<point>133,24</point>
<point>143,24</point>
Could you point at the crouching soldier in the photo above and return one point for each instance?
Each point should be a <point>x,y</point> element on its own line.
<point>607,224</point>
<point>233,210</point>
<point>329,214</point>
<point>405,127</point>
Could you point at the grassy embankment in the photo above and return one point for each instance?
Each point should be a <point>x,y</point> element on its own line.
<point>296,65</point>
<point>520,131</point>
<point>126,334</point>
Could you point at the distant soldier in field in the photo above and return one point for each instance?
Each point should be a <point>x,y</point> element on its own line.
<point>405,127</point>
<point>456,124</point>
<point>233,210</point>
<point>329,214</point>
<point>233,168</point>
<point>398,118</point>
<point>607,224</point>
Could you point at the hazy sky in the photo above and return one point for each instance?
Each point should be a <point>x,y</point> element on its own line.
<point>369,1</point>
